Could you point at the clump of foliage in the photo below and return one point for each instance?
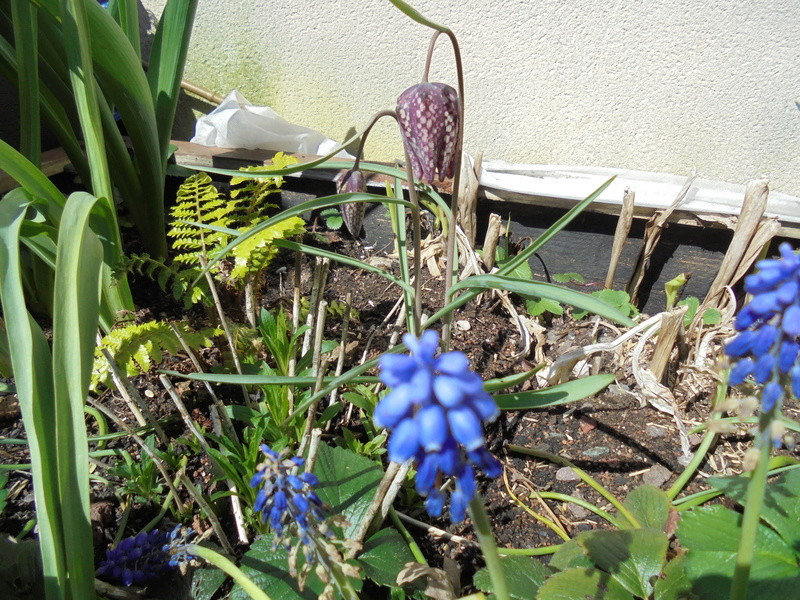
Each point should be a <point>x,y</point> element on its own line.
<point>203,222</point>
<point>138,346</point>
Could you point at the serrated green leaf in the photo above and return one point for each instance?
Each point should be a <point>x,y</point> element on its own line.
<point>562,393</point>
<point>569,278</point>
<point>674,585</point>
<point>781,506</point>
<point>580,583</point>
<point>632,556</point>
<point>649,505</point>
<point>693,303</point>
<point>206,582</point>
<point>268,569</point>
<point>538,306</point>
<point>347,482</point>
<point>524,576</point>
<point>617,299</point>
<point>711,536</point>
<point>384,556</point>
<point>711,316</point>
<point>569,555</point>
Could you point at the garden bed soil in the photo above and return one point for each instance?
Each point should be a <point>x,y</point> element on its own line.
<point>612,435</point>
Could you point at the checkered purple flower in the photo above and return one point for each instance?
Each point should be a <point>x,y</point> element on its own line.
<point>352,212</point>
<point>428,114</point>
<point>436,409</point>
<point>767,347</point>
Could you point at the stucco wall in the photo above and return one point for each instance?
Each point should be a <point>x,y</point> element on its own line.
<point>708,85</point>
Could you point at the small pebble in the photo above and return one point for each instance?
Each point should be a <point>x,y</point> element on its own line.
<point>149,393</point>
<point>463,325</point>
<point>655,432</point>
<point>657,476</point>
<point>596,451</point>
<point>577,512</point>
<point>566,474</point>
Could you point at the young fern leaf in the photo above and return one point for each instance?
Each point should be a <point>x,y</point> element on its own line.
<point>200,202</point>
<point>169,278</point>
<point>136,347</point>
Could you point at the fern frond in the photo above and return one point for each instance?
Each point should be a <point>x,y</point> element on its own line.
<point>254,192</point>
<point>169,278</point>
<point>199,201</point>
<point>256,252</point>
<point>136,347</point>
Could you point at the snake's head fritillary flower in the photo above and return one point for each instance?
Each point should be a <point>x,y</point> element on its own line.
<point>428,114</point>
<point>767,347</point>
<point>436,410</point>
<point>143,558</point>
<point>352,212</point>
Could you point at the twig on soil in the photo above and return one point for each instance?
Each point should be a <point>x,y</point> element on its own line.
<point>348,300</point>
<point>236,507</point>
<point>222,413</point>
<point>135,403</point>
<point>147,449</point>
<point>437,533</point>
<point>223,321</point>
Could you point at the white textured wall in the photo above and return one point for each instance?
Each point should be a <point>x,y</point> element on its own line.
<point>666,86</point>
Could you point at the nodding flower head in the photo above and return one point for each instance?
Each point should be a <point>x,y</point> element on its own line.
<point>352,212</point>
<point>436,409</point>
<point>428,114</point>
<point>145,557</point>
<point>767,347</point>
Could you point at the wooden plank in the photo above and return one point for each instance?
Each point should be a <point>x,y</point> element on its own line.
<point>53,162</point>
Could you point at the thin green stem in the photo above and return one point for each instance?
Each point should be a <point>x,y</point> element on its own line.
<point>102,425</point>
<point>708,440</point>
<point>593,483</point>
<point>543,551</point>
<point>409,539</point>
<point>751,517</point>
<point>484,531</point>
<point>222,563</point>
<point>583,504</point>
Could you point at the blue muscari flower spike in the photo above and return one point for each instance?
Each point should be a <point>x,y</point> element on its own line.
<point>145,557</point>
<point>767,347</point>
<point>436,409</point>
<point>288,501</point>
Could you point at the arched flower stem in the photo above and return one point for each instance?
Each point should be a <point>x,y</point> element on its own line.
<point>414,305</point>
<point>451,261</point>
<point>373,120</point>
<point>431,46</point>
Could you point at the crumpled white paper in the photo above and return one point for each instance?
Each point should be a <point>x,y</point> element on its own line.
<point>236,123</point>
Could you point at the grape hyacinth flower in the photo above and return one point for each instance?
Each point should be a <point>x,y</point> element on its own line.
<point>767,347</point>
<point>436,409</point>
<point>292,508</point>
<point>428,114</point>
<point>145,557</point>
<point>352,212</point>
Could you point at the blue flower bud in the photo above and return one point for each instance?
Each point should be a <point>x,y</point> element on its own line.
<point>772,394</point>
<point>740,371</point>
<point>465,427</point>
